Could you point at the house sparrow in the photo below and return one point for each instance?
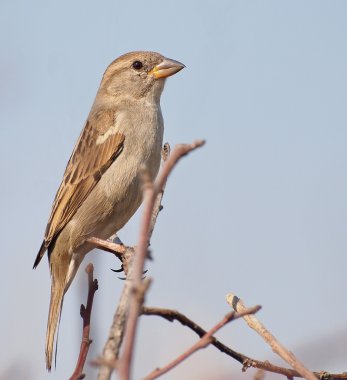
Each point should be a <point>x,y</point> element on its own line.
<point>101,188</point>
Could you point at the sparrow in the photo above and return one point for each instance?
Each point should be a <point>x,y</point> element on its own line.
<point>101,186</point>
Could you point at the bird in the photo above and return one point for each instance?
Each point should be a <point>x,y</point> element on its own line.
<point>101,186</point>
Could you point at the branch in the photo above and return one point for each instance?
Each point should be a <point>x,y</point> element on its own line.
<point>165,153</point>
<point>139,288</point>
<point>276,346</point>
<point>202,343</point>
<point>85,314</point>
<point>246,361</point>
<point>151,192</point>
<point>172,315</point>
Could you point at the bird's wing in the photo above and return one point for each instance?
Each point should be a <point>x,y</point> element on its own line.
<point>97,147</point>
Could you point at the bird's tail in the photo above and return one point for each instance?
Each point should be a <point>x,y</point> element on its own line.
<point>55,306</point>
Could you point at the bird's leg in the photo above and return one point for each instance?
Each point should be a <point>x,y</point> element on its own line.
<point>114,246</point>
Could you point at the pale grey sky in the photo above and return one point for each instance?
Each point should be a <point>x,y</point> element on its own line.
<point>261,210</point>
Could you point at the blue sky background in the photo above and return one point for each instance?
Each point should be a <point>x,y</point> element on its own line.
<point>260,210</point>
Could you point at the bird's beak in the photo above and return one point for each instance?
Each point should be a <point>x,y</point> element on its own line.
<point>166,68</point>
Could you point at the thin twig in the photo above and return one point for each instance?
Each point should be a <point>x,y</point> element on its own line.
<point>157,205</point>
<point>85,314</point>
<point>172,315</point>
<point>246,361</point>
<point>138,287</point>
<point>276,346</point>
<point>202,343</point>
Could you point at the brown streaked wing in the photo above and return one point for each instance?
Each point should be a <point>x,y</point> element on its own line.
<point>86,165</point>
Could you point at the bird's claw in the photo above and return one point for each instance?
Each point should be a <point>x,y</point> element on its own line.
<point>124,278</point>
<point>118,270</point>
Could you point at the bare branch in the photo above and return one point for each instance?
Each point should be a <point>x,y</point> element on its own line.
<point>139,288</point>
<point>202,343</point>
<point>85,314</point>
<point>247,362</point>
<point>276,346</point>
<point>151,192</point>
<point>157,205</point>
<point>179,151</point>
<point>172,315</point>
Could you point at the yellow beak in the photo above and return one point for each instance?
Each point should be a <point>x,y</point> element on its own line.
<point>166,68</point>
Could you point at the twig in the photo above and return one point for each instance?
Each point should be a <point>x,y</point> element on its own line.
<point>85,314</point>
<point>202,343</point>
<point>247,362</point>
<point>151,192</point>
<point>139,288</point>
<point>276,346</point>
<point>157,205</point>
<point>172,315</point>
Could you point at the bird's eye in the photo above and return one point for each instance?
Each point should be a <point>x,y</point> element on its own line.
<point>137,65</point>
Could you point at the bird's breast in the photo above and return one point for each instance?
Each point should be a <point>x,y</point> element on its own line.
<point>143,131</point>
<point>118,193</point>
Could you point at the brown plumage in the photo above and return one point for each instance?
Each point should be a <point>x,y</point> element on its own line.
<point>82,173</point>
<point>100,189</point>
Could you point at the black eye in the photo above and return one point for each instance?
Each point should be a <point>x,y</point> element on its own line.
<point>137,65</point>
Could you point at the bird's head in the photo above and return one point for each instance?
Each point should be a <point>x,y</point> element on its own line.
<point>138,74</point>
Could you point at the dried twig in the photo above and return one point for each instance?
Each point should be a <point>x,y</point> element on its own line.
<point>202,343</point>
<point>139,287</point>
<point>172,315</point>
<point>151,192</point>
<point>246,361</point>
<point>276,346</point>
<point>157,205</point>
<point>85,314</point>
